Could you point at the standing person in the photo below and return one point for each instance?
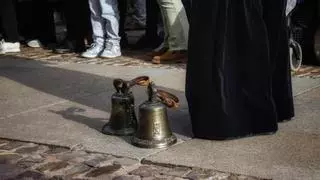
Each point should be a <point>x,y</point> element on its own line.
<point>238,79</point>
<point>36,23</point>
<point>123,6</point>
<point>176,29</point>
<point>150,39</point>
<point>9,24</point>
<point>105,26</point>
<point>78,26</point>
<point>306,20</point>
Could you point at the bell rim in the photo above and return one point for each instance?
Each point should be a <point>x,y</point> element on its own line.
<point>121,132</point>
<point>167,142</point>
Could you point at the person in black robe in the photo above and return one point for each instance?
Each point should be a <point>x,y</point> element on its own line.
<point>238,80</point>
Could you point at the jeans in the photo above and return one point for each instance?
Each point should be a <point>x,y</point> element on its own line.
<point>105,21</point>
<point>176,25</point>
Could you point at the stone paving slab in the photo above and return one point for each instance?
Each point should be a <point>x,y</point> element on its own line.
<point>21,161</point>
<point>292,153</point>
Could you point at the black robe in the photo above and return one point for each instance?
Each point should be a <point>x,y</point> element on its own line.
<point>238,78</point>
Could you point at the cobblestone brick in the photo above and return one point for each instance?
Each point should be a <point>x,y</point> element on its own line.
<point>76,157</point>
<point>197,174</point>
<point>125,161</point>
<point>56,150</point>
<point>76,170</point>
<point>8,171</point>
<point>97,160</point>
<point>27,150</point>
<point>12,145</point>
<point>30,161</point>
<point>103,170</point>
<point>53,166</point>
<point>127,177</point>
<point>2,141</point>
<point>144,171</point>
<point>30,175</point>
<point>9,158</point>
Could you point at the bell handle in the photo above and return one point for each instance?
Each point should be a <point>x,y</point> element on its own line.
<point>141,81</point>
<point>118,84</point>
<point>168,99</point>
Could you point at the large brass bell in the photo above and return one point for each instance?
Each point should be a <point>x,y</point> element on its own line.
<point>154,129</point>
<point>123,120</point>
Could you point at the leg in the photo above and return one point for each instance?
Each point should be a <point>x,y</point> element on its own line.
<point>110,14</point>
<point>151,38</point>
<point>43,22</point>
<point>122,5</point>
<point>140,12</point>
<point>10,27</point>
<point>176,28</point>
<point>98,29</point>
<point>175,23</point>
<point>9,20</point>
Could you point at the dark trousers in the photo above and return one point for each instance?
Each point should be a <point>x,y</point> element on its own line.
<point>36,21</point>
<point>122,5</point>
<point>152,18</point>
<point>9,20</point>
<point>77,15</point>
<point>306,20</point>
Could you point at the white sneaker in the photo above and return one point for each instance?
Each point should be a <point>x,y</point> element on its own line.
<point>34,43</point>
<point>111,51</point>
<point>94,51</point>
<point>8,47</point>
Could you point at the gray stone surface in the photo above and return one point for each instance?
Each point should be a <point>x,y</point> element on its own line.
<point>292,153</point>
<point>67,104</point>
<point>301,85</point>
<point>79,108</point>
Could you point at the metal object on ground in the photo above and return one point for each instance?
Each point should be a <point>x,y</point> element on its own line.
<point>154,130</point>
<point>123,120</point>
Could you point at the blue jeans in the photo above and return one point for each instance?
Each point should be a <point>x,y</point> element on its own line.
<point>105,21</point>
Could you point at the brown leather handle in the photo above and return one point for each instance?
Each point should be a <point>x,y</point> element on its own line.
<point>141,81</point>
<point>168,99</point>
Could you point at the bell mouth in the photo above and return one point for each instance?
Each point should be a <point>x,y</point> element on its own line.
<point>121,132</point>
<point>157,144</point>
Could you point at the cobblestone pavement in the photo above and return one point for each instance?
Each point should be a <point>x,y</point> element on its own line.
<point>29,161</point>
<point>129,59</point>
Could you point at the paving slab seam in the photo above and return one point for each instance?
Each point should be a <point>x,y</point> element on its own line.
<point>307,90</point>
<point>52,104</point>
<point>35,109</point>
<point>168,165</point>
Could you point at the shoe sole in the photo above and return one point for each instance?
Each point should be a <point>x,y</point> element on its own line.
<point>109,57</point>
<point>14,51</point>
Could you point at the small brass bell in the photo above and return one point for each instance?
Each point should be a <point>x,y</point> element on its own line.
<point>154,129</point>
<point>123,120</point>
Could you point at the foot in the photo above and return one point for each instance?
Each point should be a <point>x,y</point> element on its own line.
<point>170,57</point>
<point>9,47</point>
<point>111,51</point>
<point>94,51</point>
<point>158,51</point>
<point>35,43</point>
<point>69,47</point>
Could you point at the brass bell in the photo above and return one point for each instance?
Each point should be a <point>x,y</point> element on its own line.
<point>123,120</point>
<point>154,129</point>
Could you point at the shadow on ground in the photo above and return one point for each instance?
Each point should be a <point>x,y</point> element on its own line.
<point>78,87</point>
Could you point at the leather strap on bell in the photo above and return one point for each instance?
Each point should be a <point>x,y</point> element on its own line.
<point>168,99</point>
<point>141,81</point>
